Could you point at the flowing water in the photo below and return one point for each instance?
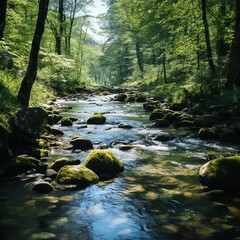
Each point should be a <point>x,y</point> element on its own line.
<point>158,196</point>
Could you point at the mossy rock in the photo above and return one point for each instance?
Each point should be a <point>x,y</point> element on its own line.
<point>58,163</point>
<point>32,121</point>
<point>80,176</point>
<point>221,173</point>
<point>121,97</point>
<point>207,133</point>
<point>66,122</point>
<point>21,164</point>
<point>97,119</point>
<point>130,99</point>
<point>141,99</point>
<point>39,153</point>
<point>183,123</point>
<point>104,163</point>
<point>54,118</point>
<point>125,126</point>
<point>161,123</point>
<point>157,114</point>
<point>5,128</point>
<point>81,143</point>
<point>206,120</point>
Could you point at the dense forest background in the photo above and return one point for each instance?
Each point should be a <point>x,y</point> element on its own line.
<point>176,48</point>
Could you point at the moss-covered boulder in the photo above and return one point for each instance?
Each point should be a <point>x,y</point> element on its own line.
<point>21,164</point>
<point>39,153</point>
<point>32,121</point>
<point>81,143</point>
<point>161,123</point>
<point>97,119</point>
<point>141,99</point>
<point>66,122</point>
<point>221,173</point>
<point>53,118</point>
<point>157,114</point>
<point>58,163</point>
<point>79,176</point>
<point>125,126</point>
<point>121,97</point>
<point>130,99</point>
<point>104,163</point>
<point>183,123</point>
<point>206,120</point>
<point>207,133</point>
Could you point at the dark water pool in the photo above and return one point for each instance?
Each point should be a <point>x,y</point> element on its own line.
<point>157,197</point>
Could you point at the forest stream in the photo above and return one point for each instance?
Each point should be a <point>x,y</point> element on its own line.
<point>158,196</point>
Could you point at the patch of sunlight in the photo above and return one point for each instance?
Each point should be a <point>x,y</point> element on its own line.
<point>49,199</point>
<point>97,209</point>
<point>67,198</point>
<point>234,211</point>
<point>151,195</point>
<point>131,179</point>
<point>125,231</point>
<point>168,180</point>
<point>104,183</point>
<point>170,228</point>
<point>59,223</point>
<point>188,194</point>
<point>136,189</point>
<point>31,203</point>
<point>117,221</point>
<point>170,193</point>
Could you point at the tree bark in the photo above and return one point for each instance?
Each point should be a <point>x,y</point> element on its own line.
<point>61,19</point>
<point>3,11</point>
<point>139,57</point>
<point>233,77</point>
<point>31,73</point>
<point>164,67</point>
<point>207,39</point>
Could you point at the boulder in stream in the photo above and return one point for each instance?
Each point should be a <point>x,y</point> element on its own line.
<point>31,121</point>
<point>104,163</point>
<point>221,173</point>
<point>79,176</point>
<point>66,122</point>
<point>81,143</point>
<point>42,187</point>
<point>97,119</point>
<point>58,163</point>
<point>207,133</point>
<point>157,114</point>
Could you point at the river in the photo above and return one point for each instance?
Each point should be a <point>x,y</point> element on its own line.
<point>158,196</point>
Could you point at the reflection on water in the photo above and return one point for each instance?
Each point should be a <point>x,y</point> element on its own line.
<point>157,197</point>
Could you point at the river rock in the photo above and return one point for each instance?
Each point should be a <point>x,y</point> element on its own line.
<point>66,122</point>
<point>58,163</point>
<point>97,119</point>
<point>125,126</point>
<point>157,114</point>
<point>42,187</point>
<point>31,121</point>
<point>81,143</point>
<point>221,173</point>
<point>56,132</point>
<point>43,236</point>
<point>104,163</point>
<point>21,164</point>
<point>120,97</point>
<point>80,176</point>
<point>141,99</point>
<point>53,119</point>
<point>207,133</point>
<point>163,137</point>
<point>161,123</point>
<point>50,173</point>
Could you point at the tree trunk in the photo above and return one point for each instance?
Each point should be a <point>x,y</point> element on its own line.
<point>59,37</point>
<point>58,45</point>
<point>164,67</point>
<point>233,77</point>
<point>31,74</point>
<point>207,38</point>
<point>139,57</point>
<point>3,10</point>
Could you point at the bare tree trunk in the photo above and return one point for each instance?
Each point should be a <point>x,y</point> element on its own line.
<point>31,74</point>
<point>3,10</point>
<point>233,78</point>
<point>207,38</point>
<point>164,67</point>
<point>139,57</point>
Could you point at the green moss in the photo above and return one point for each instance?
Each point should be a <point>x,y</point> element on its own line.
<point>207,133</point>
<point>157,114</point>
<point>58,163</point>
<point>206,120</point>
<point>222,173</point>
<point>97,119</point>
<point>80,176</point>
<point>66,121</point>
<point>104,163</point>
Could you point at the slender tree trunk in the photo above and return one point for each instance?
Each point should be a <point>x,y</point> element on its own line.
<point>198,48</point>
<point>59,35</point>
<point>31,74</point>
<point>207,38</point>
<point>3,11</point>
<point>233,77</point>
<point>164,67</point>
<point>139,57</point>
<point>58,45</point>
